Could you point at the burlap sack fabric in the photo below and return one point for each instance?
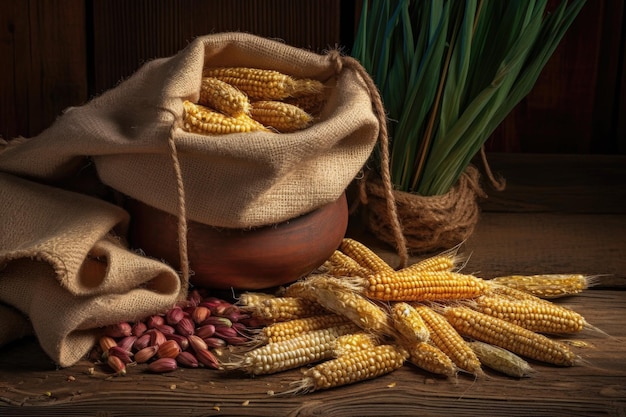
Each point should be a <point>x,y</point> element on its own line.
<point>59,264</point>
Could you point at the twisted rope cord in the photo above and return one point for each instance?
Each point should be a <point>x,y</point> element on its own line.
<point>383,138</point>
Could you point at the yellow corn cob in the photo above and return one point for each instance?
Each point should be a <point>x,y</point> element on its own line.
<point>446,338</point>
<point>357,366</point>
<point>284,330</point>
<point>286,308</point>
<point>364,256</point>
<point>509,336</point>
<point>201,119</point>
<point>299,289</point>
<point>430,358</point>
<point>434,263</point>
<point>349,343</point>
<point>291,353</point>
<point>280,116</point>
<point>546,286</point>
<point>340,264</point>
<point>262,84</point>
<point>536,315</point>
<point>501,360</point>
<point>334,295</point>
<point>409,324</point>
<point>223,97</point>
<point>407,285</point>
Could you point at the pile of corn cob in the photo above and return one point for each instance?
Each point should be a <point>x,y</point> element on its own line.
<point>239,100</point>
<point>357,318</point>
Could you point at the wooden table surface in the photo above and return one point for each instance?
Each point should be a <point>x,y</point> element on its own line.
<point>558,214</point>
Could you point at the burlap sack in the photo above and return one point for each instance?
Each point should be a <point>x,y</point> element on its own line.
<point>63,268</point>
<point>238,180</point>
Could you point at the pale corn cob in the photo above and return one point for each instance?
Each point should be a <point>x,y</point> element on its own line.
<point>280,331</point>
<point>536,315</point>
<point>223,97</point>
<point>340,264</point>
<point>263,84</point>
<point>201,119</point>
<point>430,358</point>
<point>546,286</point>
<point>509,336</point>
<point>282,117</point>
<point>332,294</point>
<point>407,285</point>
<point>445,337</point>
<point>250,298</point>
<point>357,366</point>
<point>364,256</point>
<point>291,353</point>
<point>286,308</point>
<point>408,323</point>
<point>501,360</point>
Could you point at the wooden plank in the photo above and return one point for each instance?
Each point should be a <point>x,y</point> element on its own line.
<point>595,387</point>
<point>126,34</point>
<point>47,69</point>
<point>558,183</point>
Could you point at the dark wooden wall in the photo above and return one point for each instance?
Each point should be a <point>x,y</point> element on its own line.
<point>59,53</point>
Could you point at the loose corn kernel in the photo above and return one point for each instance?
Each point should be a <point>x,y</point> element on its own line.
<point>407,285</point>
<point>286,308</point>
<point>201,119</point>
<point>340,264</point>
<point>445,337</point>
<point>430,358</point>
<point>501,360</point>
<point>546,286</point>
<point>281,116</point>
<point>278,332</point>
<point>262,84</point>
<point>364,256</point>
<point>409,324</point>
<point>223,97</point>
<point>536,315</point>
<point>357,366</point>
<point>309,347</point>
<point>509,336</point>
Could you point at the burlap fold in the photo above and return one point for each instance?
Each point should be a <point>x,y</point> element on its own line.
<point>63,268</point>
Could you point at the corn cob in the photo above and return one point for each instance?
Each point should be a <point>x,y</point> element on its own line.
<point>262,84</point>
<point>430,358</point>
<point>334,296</point>
<point>223,97</point>
<point>409,324</point>
<point>349,343</point>
<point>280,331</point>
<point>310,103</point>
<point>364,256</point>
<point>546,286</point>
<point>360,365</point>
<point>434,263</point>
<point>445,337</point>
<point>501,360</point>
<point>340,264</point>
<point>509,336</point>
<point>282,117</point>
<point>407,285</point>
<point>536,315</point>
<point>201,119</point>
<point>286,308</point>
<point>291,353</point>
<point>251,299</point>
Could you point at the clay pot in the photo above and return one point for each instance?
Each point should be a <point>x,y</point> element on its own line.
<point>249,259</point>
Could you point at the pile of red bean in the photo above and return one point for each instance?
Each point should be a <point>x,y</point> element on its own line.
<point>186,335</point>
